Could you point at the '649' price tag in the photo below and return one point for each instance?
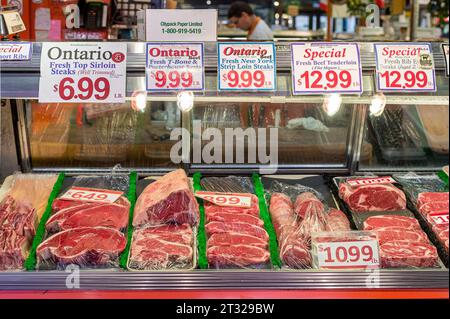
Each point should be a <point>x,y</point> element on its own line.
<point>83,72</point>
<point>226,199</point>
<point>91,195</point>
<point>321,68</point>
<point>247,67</point>
<point>175,67</point>
<point>348,255</point>
<point>405,67</point>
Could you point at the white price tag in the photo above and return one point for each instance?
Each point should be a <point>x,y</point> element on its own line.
<point>181,25</point>
<point>175,67</point>
<point>405,67</point>
<point>83,72</point>
<point>321,68</point>
<point>446,169</point>
<point>15,51</point>
<point>247,67</point>
<point>441,218</point>
<point>348,255</point>
<point>226,199</point>
<point>13,22</point>
<point>445,48</point>
<point>92,195</point>
<point>371,181</point>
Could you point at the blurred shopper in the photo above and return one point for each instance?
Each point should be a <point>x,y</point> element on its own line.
<point>243,17</point>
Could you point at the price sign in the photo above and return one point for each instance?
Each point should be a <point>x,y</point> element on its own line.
<point>321,68</point>
<point>83,72</point>
<point>226,199</point>
<point>371,181</point>
<point>405,67</point>
<point>175,67</point>
<point>348,255</point>
<point>440,218</point>
<point>92,195</point>
<point>445,48</point>
<point>18,51</point>
<point>247,67</point>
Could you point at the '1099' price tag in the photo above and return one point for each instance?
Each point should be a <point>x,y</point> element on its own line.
<point>226,199</point>
<point>405,67</point>
<point>91,195</point>
<point>175,67</point>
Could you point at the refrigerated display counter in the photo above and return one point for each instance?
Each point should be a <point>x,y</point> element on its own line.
<point>316,142</point>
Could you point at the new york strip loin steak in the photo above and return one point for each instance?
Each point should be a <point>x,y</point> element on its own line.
<point>372,198</point>
<point>236,237</point>
<point>162,248</point>
<point>403,244</point>
<point>167,200</point>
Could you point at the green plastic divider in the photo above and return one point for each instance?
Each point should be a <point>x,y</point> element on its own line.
<point>265,215</point>
<point>444,177</point>
<point>132,198</point>
<point>201,236</point>
<point>30,263</point>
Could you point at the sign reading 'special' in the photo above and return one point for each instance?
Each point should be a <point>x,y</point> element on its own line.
<point>83,72</point>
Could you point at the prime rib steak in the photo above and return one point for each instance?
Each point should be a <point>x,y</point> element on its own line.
<point>88,246</point>
<point>241,256</point>
<point>404,254</point>
<point>89,215</point>
<point>390,234</point>
<point>233,239</point>
<point>370,198</point>
<point>425,198</point>
<point>383,221</point>
<point>168,200</point>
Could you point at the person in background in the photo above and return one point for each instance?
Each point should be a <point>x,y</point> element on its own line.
<point>242,16</point>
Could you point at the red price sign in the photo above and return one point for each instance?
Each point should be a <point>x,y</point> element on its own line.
<point>247,67</point>
<point>320,68</point>
<point>91,195</point>
<point>226,199</point>
<point>348,255</point>
<point>371,181</point>
<point>175,67</point>
<point>83,89</point>
<point>405,67</point>
<point>440,218</point>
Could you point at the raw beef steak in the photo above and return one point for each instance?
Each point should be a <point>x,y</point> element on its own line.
<point>425,198</point>
<point>60,204</point>
<point>383,221</point>
<point>89,246</point>
<point>234,218</point>
<point>390,234</point>
<point>240,228</point>
<point>370,198</point>
<point>241,256</point>
<point>404,254</point>
<point>233,239</point>
<point>168,200</point>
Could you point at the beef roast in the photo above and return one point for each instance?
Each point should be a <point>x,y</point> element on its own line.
<point>337,221</point>
<point>168,200</point>
<point>369,198</point>
<point>306,202</point>
<point>88,246</point>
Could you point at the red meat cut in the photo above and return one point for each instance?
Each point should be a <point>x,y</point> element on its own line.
<point>162,247</point>
<point>403,254</point>
<point>240,228</point>
<point>233,239</point>
<point>390,234</point>
<point>60,204</point>
<point>369,198</point>
<point>433,207</point>
<point>383,221</point>
<point>307,202</point>
<point>234,218</point>
<point>96,246</point>
<point>13,250</point>
<point>168,200</point>
<point>295,253</point>
<point>88,215</point>
<point>282,213</point>
<point>241,256</point>
<point>424,198</point>
<point>337,221</point>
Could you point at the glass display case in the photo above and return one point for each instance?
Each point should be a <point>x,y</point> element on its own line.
<point>357,135</point>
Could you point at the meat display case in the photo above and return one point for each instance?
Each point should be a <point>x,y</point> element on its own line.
<point>411,135</point>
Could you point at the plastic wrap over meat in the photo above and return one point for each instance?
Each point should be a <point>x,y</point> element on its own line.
<point>22,205</point>
<point>86,233</point>
<point>403,244</point>
<point>371,198</point>
<point>236,236</point>
<point>166,247</point>
<point>167,200</point>
<point>297,213</point>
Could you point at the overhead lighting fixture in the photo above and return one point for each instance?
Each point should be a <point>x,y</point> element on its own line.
<point>208,2</point>
<point>276,4</point>
<point>378,104</point>
<point>332,104</point>
<point>185,101</point>
<point>139,101</point>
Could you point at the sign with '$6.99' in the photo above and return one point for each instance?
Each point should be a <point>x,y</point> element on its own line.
<point>83,72</point>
